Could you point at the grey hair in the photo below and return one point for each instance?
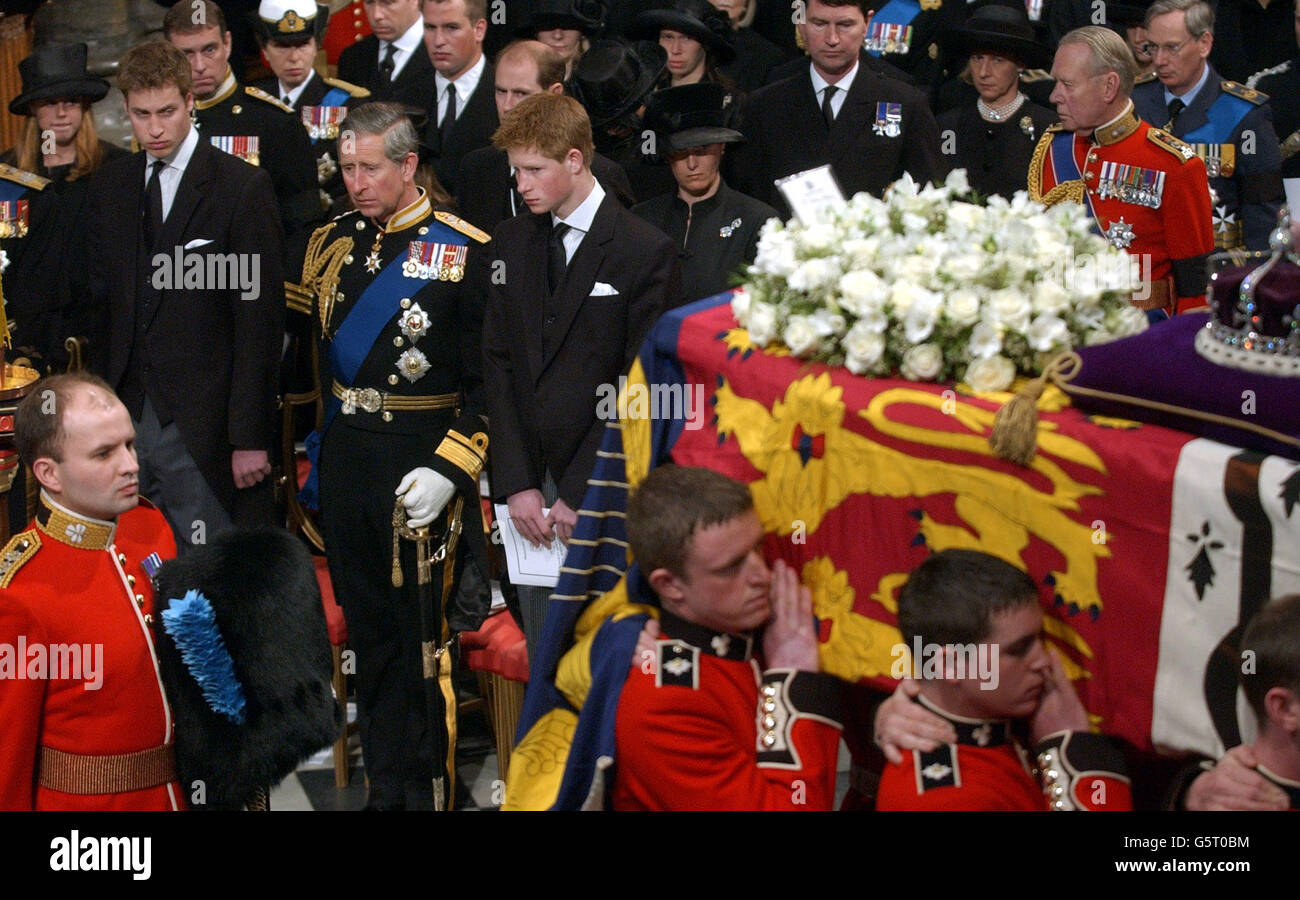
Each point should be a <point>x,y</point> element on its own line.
<point>390,121</point>
<point>1199,16</point>
<point>1109,54</point>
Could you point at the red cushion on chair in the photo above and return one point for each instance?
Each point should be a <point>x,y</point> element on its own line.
<point>497,647</point>
<point>334,621</point>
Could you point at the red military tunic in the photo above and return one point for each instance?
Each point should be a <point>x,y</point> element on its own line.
<point>707,728</point>
<point>70,580</point>
<point>1148,192</point>
<point>987,769</point>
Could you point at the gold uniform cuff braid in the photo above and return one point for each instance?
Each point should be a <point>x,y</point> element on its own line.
<point>466,453</point>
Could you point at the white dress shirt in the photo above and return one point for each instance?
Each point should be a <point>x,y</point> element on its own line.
<point>463,86</point>
<point>843,85</point>
<point>411,40</point>
<point>170,176</point>
<point>579,221</point>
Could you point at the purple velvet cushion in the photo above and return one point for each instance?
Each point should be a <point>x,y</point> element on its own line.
<point>1161,365</point>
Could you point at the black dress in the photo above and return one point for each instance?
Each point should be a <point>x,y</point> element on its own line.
<point>995,155</point>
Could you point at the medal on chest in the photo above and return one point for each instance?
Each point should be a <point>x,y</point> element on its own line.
<point>889,119</point>
<point>243,146</point>
<point>1131,184</point>
<point>427,261</point>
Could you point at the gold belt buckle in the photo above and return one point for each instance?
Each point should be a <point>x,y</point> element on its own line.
<point>369,399</point>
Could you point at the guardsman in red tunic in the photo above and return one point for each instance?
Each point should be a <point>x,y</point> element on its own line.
<point>974,631</point>
<point>87,725</point>
<point>1146,189</point>
<point>701,724</point>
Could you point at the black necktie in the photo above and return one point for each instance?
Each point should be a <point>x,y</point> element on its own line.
<point>154,205</point>
<point>828,111</point>
<point>1175,107</point>
<point>449,117</point>
<point>556,260</point>
<point>386,66</point>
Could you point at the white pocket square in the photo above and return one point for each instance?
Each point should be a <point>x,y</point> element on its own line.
<point>198,242</point>
<point>604,290</point>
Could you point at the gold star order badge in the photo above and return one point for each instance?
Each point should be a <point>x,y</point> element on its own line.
<point>372,262</point>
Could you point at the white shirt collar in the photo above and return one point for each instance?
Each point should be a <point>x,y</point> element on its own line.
<point>581,218</point>
<point>180,157</point>
<point>464,85</point>
<point>410,39</point>
<point>294,94</point>
<point>1190,96</point>
<point>819,83</point>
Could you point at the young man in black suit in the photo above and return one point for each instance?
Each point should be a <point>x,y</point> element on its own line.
<point>575,288</point>
<point>187,273</point>
<point>868,127</point>
<point>487,186</point>
<point>390,62</point>
<point>462,114</point>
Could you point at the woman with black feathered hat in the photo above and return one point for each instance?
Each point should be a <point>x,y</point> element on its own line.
<point>57,152</point>
<point>566,26</point>
<point>994,137</point>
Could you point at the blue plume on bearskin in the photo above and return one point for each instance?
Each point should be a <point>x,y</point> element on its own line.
<point>193,626</point>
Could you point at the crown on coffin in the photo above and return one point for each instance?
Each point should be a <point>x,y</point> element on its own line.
<point>1255,312</point>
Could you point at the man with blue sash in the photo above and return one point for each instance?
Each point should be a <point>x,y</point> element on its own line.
<point>289,32</point>
<point>395,292</point>
<point>1145,189</point>
<point>1229,125</point>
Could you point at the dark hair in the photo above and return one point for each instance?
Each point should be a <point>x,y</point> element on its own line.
<point>951,598</point>
<point>152,65</point>
<point>550,64</point>
<point>180,19</point>
<point>671,505</point>
<point>474,9</point>
<point>38,423</point>
<point>1273,636</point>
<point>864,6</point>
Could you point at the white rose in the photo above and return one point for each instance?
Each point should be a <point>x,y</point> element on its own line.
<point>985,341</point>
<point>902,295</point>
<point>922,363</point>
<point>762,323</point>
<point>827,323</point>
<point>1050,297</point>
<point>820,237</point>
<point>1048,332</point>
<point>861,290</point>
<point>801,336</point>
<point>814,274</point>
<point>740,300</point>
<point>873,320</point>
<point>861,252</point>
<point>775,254</point>
<point>1097,336</point>
<point>990,373</point>
<point>1126,320</point>
<point>1010,308</point>
<point>963,306</point>
<point>956,182</point>
<point>862,349</point>
<point>963,268</point>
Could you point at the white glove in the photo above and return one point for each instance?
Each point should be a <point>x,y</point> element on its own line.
<point>427,493</point>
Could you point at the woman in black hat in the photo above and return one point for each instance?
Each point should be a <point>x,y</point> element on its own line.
<point>60,147</point>
<point>566,26</point>
<point>994,137</point>
<point>698,38</point>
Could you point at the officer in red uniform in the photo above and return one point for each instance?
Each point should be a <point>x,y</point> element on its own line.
<point>87,725</point>
<point>1146,189</point>
<point>701,723</point>
<point>985,670</point>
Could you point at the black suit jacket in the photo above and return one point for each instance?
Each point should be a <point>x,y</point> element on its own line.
<point>485,183</point>
<point>413,86</point>
<point>545,358</point>
<point>473,129</point>
<point>212,353</point>
<point>785,133</point>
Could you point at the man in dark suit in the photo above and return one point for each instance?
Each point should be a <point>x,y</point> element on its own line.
<point>390,62</point>
<point>869,128</point>
<point>487,186</point>
<point>583,281</point>
<point>462,115</point>
<point>187,272</point>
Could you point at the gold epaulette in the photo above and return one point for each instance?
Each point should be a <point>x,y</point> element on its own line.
<point>355,90</point>
<point>1167,141</point>
<point>465,453</point>
<point>1237,89</point>
<point>263,95</point>
<point>462,226</point>
<point>1031,75</point>
<point>22,176</point>
<point>17,552</point>
<point>1143,79</point>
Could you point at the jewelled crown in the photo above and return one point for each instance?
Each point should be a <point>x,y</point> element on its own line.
<point>1255,311</point>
